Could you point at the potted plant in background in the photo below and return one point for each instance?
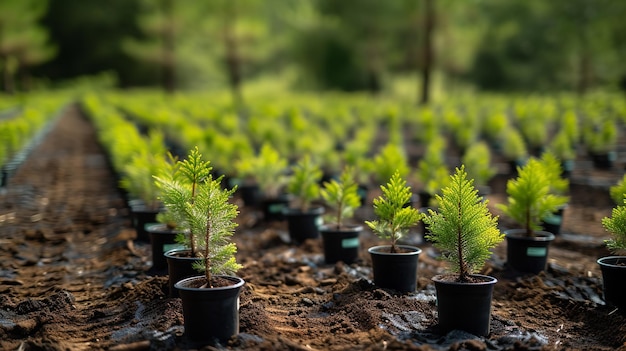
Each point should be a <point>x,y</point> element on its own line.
<point>340,240</point>
<point>137,180</point>
<point>465,232</point>
<point>618,190</point>
<point>600,138</point>
<point>267,171</point>
<point>303,218</point>
<point>558,185</point>
<point>394,266</point>
<point>529,200</point>
<point>477,162</point>
<point>614,267</point>
<point>210,301</point>
<point>514,149</point>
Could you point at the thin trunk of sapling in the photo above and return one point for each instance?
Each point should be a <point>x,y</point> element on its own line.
<point>529,230</point>
<point>459,245</point>
<point>207,258</point>
<point>339,219</point>
<point>192,242</point>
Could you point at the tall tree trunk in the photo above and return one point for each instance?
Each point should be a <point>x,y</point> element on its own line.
<point>427,50</point>
<point>233,60</point>
<point>168,42</point>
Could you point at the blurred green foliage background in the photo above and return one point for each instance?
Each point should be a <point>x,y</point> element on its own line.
<point>370,45</point>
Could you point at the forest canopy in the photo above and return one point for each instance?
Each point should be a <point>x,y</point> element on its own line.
<point>493,45</point>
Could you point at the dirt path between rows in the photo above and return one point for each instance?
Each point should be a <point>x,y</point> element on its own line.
<point>73,278</point>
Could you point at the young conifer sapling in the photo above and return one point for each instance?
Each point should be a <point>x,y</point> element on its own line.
<point>616,225</point>
<point>342,196</point>
<point>533,195</point>
<point>463,228</point>
<point>204,212</point>
<point>304,183</point>
<point>394,217</point>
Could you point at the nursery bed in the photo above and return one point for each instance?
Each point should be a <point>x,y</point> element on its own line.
<point>72,277</point>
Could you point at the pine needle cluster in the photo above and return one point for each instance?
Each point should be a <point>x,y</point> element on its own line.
<point>304,183</point>
<point>618,191</point>
<point>463,228</point>
<point>202,210</point>
<point>533,195</point>
<point>342,196</point>
<point>394,217</point>
<point>616,225</point>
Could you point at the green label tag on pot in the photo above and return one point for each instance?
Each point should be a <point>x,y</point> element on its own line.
<point>350,243</point>
<point>319,221</point>
<point>167,247</point>
<point>553,219</point>
<point>536,251</point>
<point>276,208</point>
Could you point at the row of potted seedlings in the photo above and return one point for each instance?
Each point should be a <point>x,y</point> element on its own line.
<point>460,227</point>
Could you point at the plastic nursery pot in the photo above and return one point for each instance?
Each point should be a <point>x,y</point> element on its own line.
<point>603,160</point>
<point>273,208</point>
<point>614,281</point>
<point>303,225</point>
<point>527,254</point>
<point>552,224</point>
<point>464,306</point>
<point>179,266</point>
<point>396,271</point>
<point>250,194</point>
<point>211,315</point>
<point>340,244</point>
<point>161,241</point>
<point>143,215</point>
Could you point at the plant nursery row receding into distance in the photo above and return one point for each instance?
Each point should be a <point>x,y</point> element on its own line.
<point>140,220</point>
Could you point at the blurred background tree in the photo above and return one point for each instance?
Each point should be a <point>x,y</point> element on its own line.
<point>367,45</point>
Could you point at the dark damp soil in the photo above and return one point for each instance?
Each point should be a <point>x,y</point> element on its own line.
<point>73,277</point>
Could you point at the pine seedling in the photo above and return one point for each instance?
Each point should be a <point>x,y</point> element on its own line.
<point>267,168</point>
<point>202,210</point>
<point>618,191</point>
<point>304,183</point>
<point>394,217</point>
<point>462,228</point>
<point>342,196</point>
<point>530,196</point>
<point>389,160</point>
<point>616,225</point>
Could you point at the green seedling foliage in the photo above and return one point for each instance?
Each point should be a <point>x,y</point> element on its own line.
<point>477,160</point>
<point>616,225</point>
<point>530,196</point>
<point>432,171</point>
<point>463,228</point>
<point>394,217</point>
<point>513,144</point>
<point>562,146</point>
<point>201,209</point>
<point>304,182</point>
<point>342,196</point>
<point>618,191</point>
<point>553,171</point>
<point>390,159</point>
<point>267,168</point>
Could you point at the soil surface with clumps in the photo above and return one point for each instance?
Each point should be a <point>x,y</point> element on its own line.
<point>74,277</point>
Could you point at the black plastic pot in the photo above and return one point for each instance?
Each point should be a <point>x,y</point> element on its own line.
<point>179,266</point>
<point>614,281</point>
<point>603,160</point>
<point>274,208</point>
<point>396,271</point>
<point>552,224</point>
<point>465,306</point>
<point>211,315</point>
<point>250,194</point>
<point>424,198</point>
<point>527,254</point>
<point>303,225</point>
<point>161,241</point>
<point>143,215</point>
<point>340,244</point>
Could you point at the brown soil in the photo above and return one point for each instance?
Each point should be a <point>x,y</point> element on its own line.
<point>73,278</point>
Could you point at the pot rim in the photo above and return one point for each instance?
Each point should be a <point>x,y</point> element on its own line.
<point>313,210</point>
<point>601,261</point>
<point>239,283</point>
<point>540,235</point>
<point>347,228</point>
<point>490,280</point>
<point>375,250</point>
<point>172,254</point>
